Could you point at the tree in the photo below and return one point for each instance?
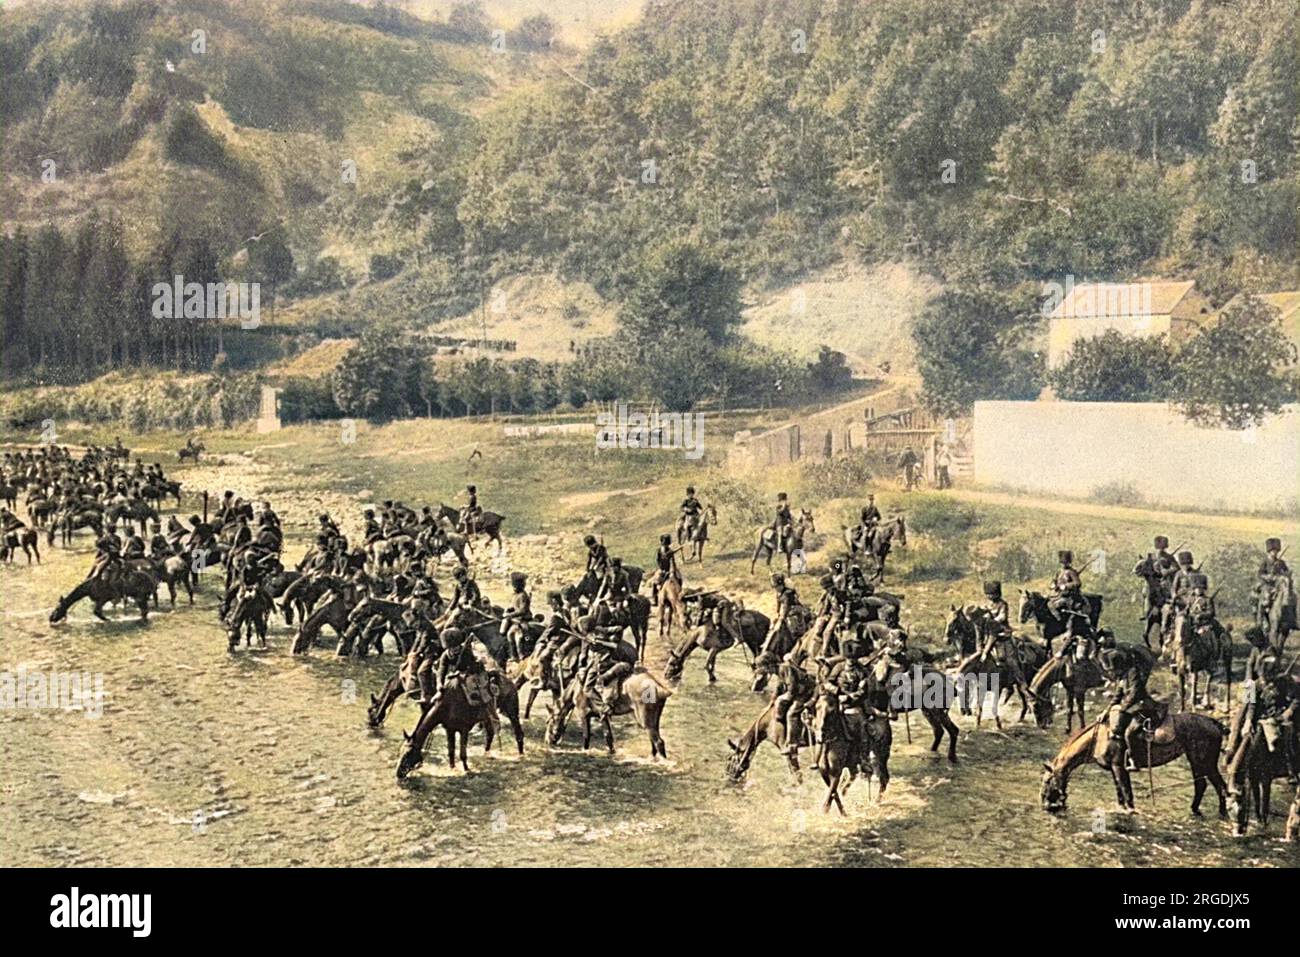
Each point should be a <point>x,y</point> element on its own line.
<point>1114,368</point>
<point>377,379</point>
<point>535,33</point>
<point>970,346</point>
<point>681,286</point>
<point>830,372</point>
<point>1237,371</point>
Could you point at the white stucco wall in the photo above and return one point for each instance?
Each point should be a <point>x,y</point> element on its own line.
<point>1071,448</point>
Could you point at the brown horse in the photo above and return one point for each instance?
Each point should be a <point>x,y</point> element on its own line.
<point>764,728</point>
<point>1194,735</point>
<point>670,606</point>
<point>981,669</point>
<point>454,712</point>
<point>715,640</point>
<point>1083,675</point>
<point>766,545</point>
<point>1251,772</point>
<point>138,586</point>
<point>837,751</point>
<point>1200,649</point>
<point>643,696</point>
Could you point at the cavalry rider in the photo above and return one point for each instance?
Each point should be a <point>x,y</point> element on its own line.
<point>9,521</point>
<point>666,568</point>
<point>267,516</point>
<point>554,630</point>
<point>1270,693</point>
<point>328,527</point>
<point>422,660</point>
<point>108,557</point>
<point>1180,587</point>
<point>1165,567</point>
<point>607,664</point>
<point>832,609</point>
<point>690,512</point>
<point>465,593</point>
<point>616,588</point>
<point>1200,605</point>
<point>1273,574</point>
<point>597,557</point>
<point>782,522</point>
<point>459,663</point>
<point>997,632</point>
<point>469,515</point>
<point>1067,601</point>
<point>373,531</point>
<point>787,600</point>
<point>133,548</point>
<point>1130,667</point>
<point>795,690</point>
<point>159,545</point>
<point>849,678</point>
<point>867,522</point>
<point>515,619</point>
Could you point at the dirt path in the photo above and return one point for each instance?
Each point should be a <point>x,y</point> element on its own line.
<point>1237,523</point>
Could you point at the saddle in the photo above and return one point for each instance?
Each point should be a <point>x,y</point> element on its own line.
<point>1164,732</point>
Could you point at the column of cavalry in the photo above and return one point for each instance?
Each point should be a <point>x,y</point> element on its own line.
<point>837,673</point>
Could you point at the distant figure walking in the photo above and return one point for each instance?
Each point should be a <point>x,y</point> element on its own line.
<point>942,462</point>
<point>908,464</point>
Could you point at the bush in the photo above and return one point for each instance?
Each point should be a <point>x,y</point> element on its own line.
<point>1012,562</point>
<point>947,561</point>
<point>1118,493</point>
<point>843,477</point>
<point>1231,569</point>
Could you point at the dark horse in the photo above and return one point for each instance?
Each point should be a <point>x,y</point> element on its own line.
<point>1033,607</point>
<point>1251,772</point>
<point>489,523</point>
<point>1194,735</point>
<point>458,716</point>
<point>138,586</point>
<point>1157,595</point>
<point>1083,674</point>
<point>715,640</point>
<point>792,541</point>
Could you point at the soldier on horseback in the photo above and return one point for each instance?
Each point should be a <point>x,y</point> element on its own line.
<point>459,665</point>
<point>616,588</point>
<point>469,515</point>
<point>867,522</point>
<point>832,609</point>
<point>666,568</point>
<point>795,690</point>
<point>515,619</point>
<point>1272,578</point>
<point>1067,602</point>
<point>554,631</point>
<point>691,508</point>
<point>1163,567</point>
<point>606,667</point>
<point>1130,667</point>
<point>998,639</point>
<point>465,593</point>
<point>787,600</point>
<point>108,558</point>
<point>597,557</point>
<point>783,521</point>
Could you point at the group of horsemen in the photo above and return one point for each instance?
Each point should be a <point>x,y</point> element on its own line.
<point>436,633</point>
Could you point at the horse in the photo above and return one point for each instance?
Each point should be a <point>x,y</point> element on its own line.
<point>643,696</point>
<point>361,623</point>
<point>1251,772</point>
<point>458,716</point>
<point>333,613</point>
<point>1198,737</point>
<point>1032,657</point>
<point>694,531</point>
<point>169,571</point>
<point>489,523</point>
<point>27,539</point>
<point>69,522</point>
<point>1033,606</point>
<point>192,450</point>
<point>792,541</point>
<point>1278,619</point>
<point>670,606</point>
<point>882,542</point>
<point>763,728</point>
<point>892,690</point>
<point>715,640</point>
<point>136,585</point>
<point>838,751</point>
<point>161,490</point>
<point>1082,675</point>
<point>1200,649</point>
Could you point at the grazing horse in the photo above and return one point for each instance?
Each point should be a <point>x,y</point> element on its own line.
<point>643,696</point>
<point>715,639</point>
<point>156,493</point>
<point>764,728</point>
<point>1194,735</point>
<point>138,586</point>
<point>333,613</point>
<point>1034,607</point>
<point>249,615</point>
<point>1200,649</point>
<point>457,716</point>
<point>766,544</point>
<point>1251,772</point>
<point>1083,675</point>
<point>695,533</point>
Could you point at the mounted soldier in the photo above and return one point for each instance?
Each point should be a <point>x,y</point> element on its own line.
<point>597,558</point>
<point>996,628</point>
<point>1130,667</point>
<point>689,519</point>
<point>554,631</point>
<point>795,690</point>
<point>1163,569</point>
<point>1275,601</point>
<point>465,593</point>
<point>782,523</point>
<point>469,515</point>
<point>1067,602</point>
<point>666,567</point>
<point>607,664</point>
<point>865,530</point>
<point>459,665</point>
<point>787,600</point>
<point>515,619</point>
<point>616,588</point>
<point>832,609</point>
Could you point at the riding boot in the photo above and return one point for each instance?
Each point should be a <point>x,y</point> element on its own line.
<point>427,686</point>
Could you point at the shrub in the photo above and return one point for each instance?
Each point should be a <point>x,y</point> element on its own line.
<point>842,477</point>
<point>1118,493</point>
<point>942,517</point>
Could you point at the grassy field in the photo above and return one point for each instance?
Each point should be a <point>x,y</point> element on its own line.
<point>271,754</point>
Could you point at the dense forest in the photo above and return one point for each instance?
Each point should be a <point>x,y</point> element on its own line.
<point>997,145</point>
